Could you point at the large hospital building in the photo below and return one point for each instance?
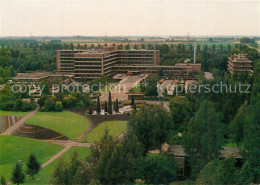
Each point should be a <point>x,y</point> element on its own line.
<point>108,61</point>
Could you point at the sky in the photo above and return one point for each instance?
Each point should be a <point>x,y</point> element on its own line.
<point>129,18</point>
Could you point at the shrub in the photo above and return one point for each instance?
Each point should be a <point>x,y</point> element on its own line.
<point>58,106</point>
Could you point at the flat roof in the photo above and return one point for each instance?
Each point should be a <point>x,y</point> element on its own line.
<point>178,150</point>
<point>35,75</point>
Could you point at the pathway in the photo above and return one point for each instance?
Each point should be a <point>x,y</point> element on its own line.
<point>55,156</point>
<point>15,126</point>
<point>68,143</point>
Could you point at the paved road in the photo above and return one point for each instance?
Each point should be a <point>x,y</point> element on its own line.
<point>15,126</point>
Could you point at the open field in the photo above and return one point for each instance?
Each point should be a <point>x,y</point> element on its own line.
<point>15,148</point>
<point>12,113</point>
<point>44,176</point>
<point>115,129</point>
<point>67,123</point>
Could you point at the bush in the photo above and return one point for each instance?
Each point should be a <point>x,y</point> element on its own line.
<point>58,106</point>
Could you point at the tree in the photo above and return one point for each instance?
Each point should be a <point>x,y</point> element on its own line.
<point>117,106</point>
<point>251,142</point>
<point>115,161</point>
<point>98,106</point>
<point>71,172</point>
<point>152,125</point>
<point>132,100</point>
<point>17,174</point>
<point>160,73</point>
<point>33,166</point>
<point>237,125</point>
<point>127,47</point>
<point>90,110</point>
<point>203,136</point>
<point>21,69</point>
<point>109,103</point>
<point>60,174</point>
<point>245,175</point>
<point>160,169</point>
<point>218,172</point>
<point>150,87</point>
<point>181,111</point>
<point>105,106</point>
<point>114,106</point>
<point>3,181</point>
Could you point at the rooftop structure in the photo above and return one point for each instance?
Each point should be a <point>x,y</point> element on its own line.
<point>239,63</point>
<point>109,61</point>
<point>37,76</point>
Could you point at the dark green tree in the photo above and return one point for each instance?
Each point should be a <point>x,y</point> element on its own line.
<point>117,106</point>
<point>245,175</point>
<point>160,73</point>
<point>90,110</point>
<point>109,103</point>
<point>114,106</point>
<point>181,111</point>
<point>218,172</point>
<point>160,169</point>
<point>3,181</point>
<point>98,106</point>
<point>203,137</point>
<point>251,142</point>
<point>152,125</point>
<point>17,174</point>
<point>116,162</point>
<point>132,100</point>
<point>105,106</point>
<point>237,125</point>
<point>33,166</point>
<point>21,68</point>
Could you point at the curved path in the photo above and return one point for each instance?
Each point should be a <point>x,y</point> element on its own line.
<point>15,126</point>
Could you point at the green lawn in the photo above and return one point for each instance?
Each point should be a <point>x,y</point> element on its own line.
<point>136,89</point>
<point>115,129</point>
<point>67,123</point>
<point>15,148</point>
<point>44,176</point>
<point>13,113</point>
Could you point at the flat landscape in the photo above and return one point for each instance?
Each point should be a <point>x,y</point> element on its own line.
<point>14,149</point>
<point>67,123</point>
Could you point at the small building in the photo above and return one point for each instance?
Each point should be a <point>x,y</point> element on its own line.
<point>239,63</point>
<point>181,157</point>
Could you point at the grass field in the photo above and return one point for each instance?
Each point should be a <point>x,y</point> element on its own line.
<point>15,148</point>
<point>12,113</point>
<point>44,176</point>
<point>67,123</point>
<point>136,89</point>
<point>115,129</point>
